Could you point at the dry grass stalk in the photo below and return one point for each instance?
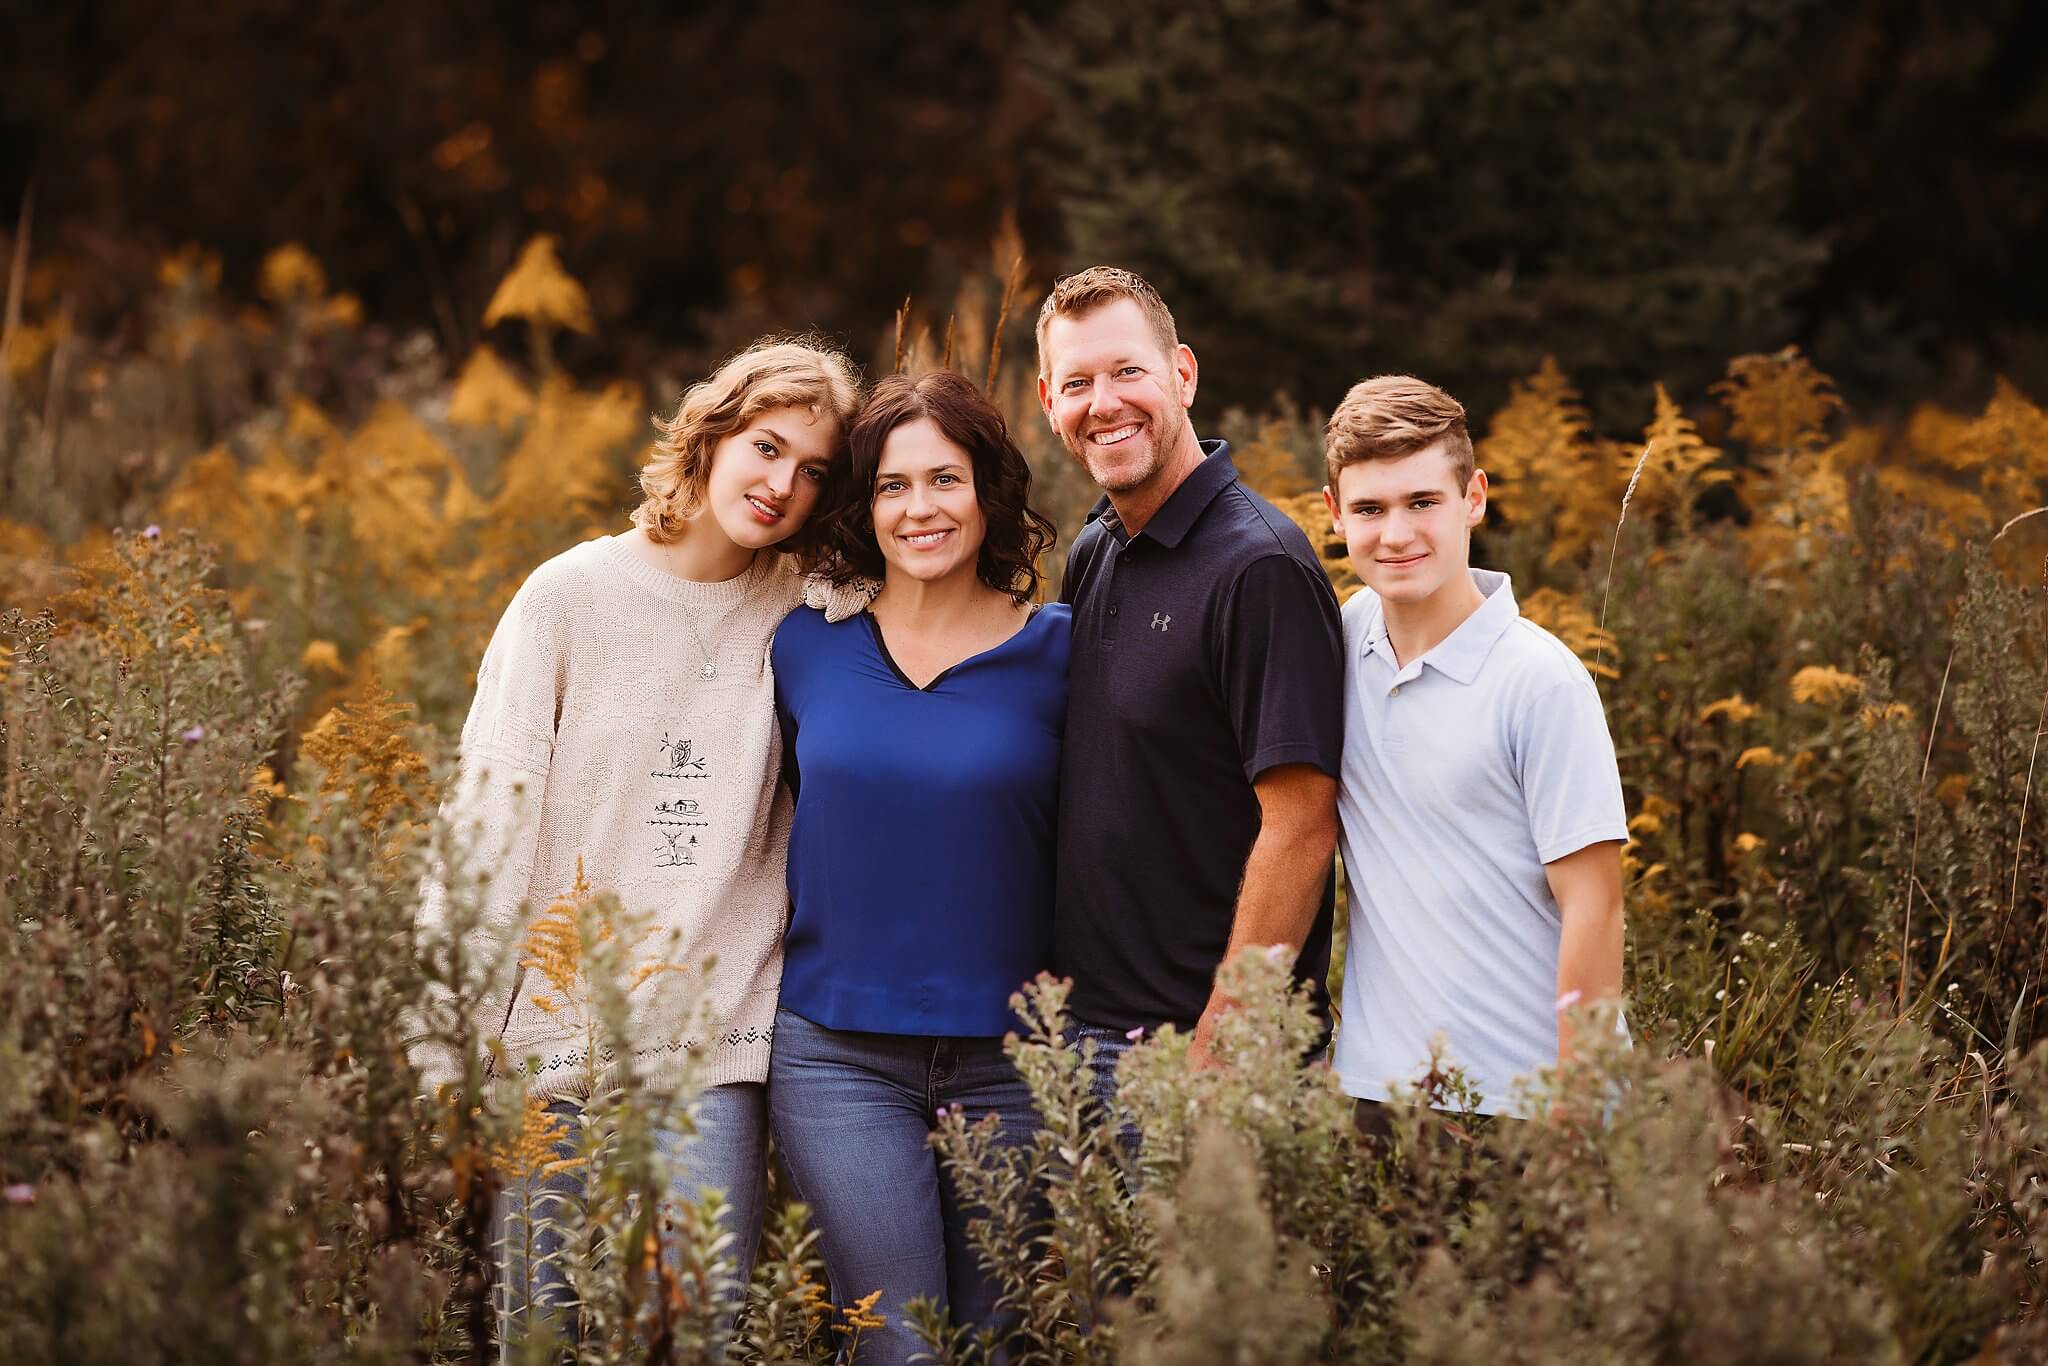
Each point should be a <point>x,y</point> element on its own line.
<point>1913,859</point>
<point>2034,512</point>
<point>902,323</point>
<point>1011,282</point>
<point>1635,477</point>
<point>17,279</point>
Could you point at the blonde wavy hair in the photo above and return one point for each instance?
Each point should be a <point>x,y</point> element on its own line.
<point>775,372</point>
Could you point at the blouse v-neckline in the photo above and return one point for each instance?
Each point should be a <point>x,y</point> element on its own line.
<point>882,648</point>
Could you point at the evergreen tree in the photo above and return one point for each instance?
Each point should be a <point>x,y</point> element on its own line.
<point>1603,179</point>
<point>1217,150</point>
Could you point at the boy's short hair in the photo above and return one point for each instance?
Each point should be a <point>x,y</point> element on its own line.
<point>1079,294</point>
<point>1395,416</point>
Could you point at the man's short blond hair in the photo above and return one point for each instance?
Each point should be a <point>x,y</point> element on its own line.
<point>1079,294</point>
<point>1395,416</point>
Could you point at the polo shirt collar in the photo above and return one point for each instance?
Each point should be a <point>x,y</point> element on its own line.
<point>1177,515</point>
<point>1460,655</point>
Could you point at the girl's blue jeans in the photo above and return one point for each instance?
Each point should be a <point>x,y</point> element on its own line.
<point>728,1153</point>
<point>852,1113</point>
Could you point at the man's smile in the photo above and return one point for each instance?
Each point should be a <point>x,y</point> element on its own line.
<point>1116,435</point>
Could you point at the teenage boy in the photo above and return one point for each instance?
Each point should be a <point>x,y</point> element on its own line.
<point>1198,784</point>
<point>1481,811</point>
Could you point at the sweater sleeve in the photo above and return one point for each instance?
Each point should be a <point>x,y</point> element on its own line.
<point>493,810</point>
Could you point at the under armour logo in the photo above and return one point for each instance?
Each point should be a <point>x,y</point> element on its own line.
<point>1161,621</point>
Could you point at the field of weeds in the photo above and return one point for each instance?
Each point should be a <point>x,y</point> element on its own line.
<point>250,558</point>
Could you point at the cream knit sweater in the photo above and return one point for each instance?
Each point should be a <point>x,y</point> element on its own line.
<point>595,738</point>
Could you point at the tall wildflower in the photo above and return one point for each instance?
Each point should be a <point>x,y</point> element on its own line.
<point>1678,465</point>
<point>546,296</point>
<point>1779,405</point>
<point>1547,471</point>
<point>488,394</point>
<point>366,740</point>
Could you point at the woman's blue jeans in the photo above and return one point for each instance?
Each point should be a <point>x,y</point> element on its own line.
<point>852,1113</point>
<point>728,1153</point>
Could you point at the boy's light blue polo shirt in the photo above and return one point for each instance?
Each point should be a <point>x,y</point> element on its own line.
<point>1465,771</point>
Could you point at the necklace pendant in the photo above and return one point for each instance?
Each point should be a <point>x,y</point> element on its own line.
<point>709,670</point>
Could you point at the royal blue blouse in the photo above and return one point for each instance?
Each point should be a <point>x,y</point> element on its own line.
<point>921,860</point>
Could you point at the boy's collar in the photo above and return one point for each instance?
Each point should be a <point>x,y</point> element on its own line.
<point>1460,655</point>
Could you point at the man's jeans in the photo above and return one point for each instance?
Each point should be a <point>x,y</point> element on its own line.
<point>1110,1046</point>
<point>728,1153</point>
<point>852,1114</point>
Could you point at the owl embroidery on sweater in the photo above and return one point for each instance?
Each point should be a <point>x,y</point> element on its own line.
<point>680,761</point>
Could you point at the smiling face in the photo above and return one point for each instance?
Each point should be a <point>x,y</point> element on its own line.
<point>765,477</point>
<point>1115,396</point>
<point>1407,523</point>
<point>927,516</point>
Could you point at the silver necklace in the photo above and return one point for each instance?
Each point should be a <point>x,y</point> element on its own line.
<point>710,667</point>
<point>710,670</point>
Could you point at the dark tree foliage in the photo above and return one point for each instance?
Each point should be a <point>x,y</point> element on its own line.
<point>1603,179</point>
<point>1323,187</point>
<point>1219,150</point>
<point>1924,130</point>
<point>711,170</point>
<point>1347,186</point>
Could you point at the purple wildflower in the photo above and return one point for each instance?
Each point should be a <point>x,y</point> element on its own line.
<point>194,735</point>
<point>152,531</point>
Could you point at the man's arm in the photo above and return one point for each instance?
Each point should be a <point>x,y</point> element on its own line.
<point>1283,876</point>
<point>1587,885</point>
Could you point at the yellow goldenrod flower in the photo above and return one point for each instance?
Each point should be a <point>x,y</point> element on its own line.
<point>1746,843</point>
<point>554,948</point>
<point>1778,402</point>
<point>322,655</point>
<point>1819,684</point>
<point>540,291</point>
<point>189,266</point>
<point>1875,716</point>
<point>1737,709</point>
<point>487,393</point>
<point>860,1314</point>
<point>343,310</point>
<point>1646,823</point>
<point>1953,790</point>
<point>291,271</point>
<point>369,738</point>
<point>1762,756</point>
<point>534,1147</point>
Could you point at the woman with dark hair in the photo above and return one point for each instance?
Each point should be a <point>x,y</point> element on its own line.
<point>922,741</point>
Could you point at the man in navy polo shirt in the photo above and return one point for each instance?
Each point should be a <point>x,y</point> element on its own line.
<point>1204,722</point>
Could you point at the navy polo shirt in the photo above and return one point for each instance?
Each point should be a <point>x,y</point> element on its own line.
<point>1207,649</point>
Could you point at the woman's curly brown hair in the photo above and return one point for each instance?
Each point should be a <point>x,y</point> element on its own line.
<point>1014,535</point>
